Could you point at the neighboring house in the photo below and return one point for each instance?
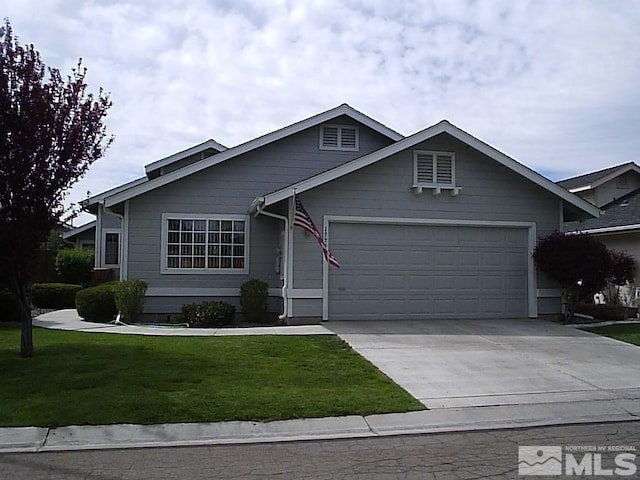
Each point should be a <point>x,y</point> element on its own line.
<point>83,236</point>
<point>616,191</point>
<point>434,225</point>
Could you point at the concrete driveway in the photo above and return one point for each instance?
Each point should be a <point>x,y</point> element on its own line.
<point>464,363</point>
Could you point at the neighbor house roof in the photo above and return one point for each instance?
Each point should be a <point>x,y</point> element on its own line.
<point>442,127</point>
<point>78,230</point>
<point>622,214</point>
<point>595,179</point>
<point>344,109</point>
<point>200,148</point>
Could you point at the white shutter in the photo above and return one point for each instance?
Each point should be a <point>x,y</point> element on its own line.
<point>444,170</point>
<point>424,168</point>
<point>330,137</point>
<point>348,138</point>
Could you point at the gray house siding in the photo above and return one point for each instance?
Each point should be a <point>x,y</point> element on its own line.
<point>489,192</point>
<point>229,188</point>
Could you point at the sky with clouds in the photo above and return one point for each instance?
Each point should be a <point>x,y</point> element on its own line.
<point>555,84</point>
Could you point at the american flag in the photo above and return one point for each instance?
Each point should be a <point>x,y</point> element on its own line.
<point>303,219</point>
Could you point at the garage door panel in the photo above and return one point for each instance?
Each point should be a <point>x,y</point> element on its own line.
<point>414,271</point>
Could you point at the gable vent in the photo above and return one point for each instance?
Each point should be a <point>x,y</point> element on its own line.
<point>338,137</point>
<point>434,168</point>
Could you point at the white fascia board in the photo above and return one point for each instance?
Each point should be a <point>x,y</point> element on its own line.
<point>616,229</point>
<point>78,230</point>
<point>163,162</point>
<point>113,191</point>
<point>249,146</point>
<point>580,189</point>
<point>426,134</point>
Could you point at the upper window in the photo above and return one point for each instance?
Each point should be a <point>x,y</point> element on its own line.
<point>204,243</point>
<point>339,137</point>
<point>433,168</point>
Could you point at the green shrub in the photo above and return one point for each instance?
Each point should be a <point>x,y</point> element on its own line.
<point>208,314</point>
<point>97,304</point>
<point>130,298</point>
<point>253,300</point>
<point>8,307</point>
<point>75,266</point>
<point>54,295</point>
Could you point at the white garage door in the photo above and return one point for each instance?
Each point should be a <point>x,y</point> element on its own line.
<point>427,272</point>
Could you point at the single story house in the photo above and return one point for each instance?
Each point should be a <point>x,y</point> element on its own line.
<point>437,224</point>
<point>616,191</point>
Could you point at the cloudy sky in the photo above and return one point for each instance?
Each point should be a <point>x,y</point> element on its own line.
<point>554,84</point>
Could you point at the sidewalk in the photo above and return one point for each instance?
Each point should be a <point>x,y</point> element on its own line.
<point>612,406</point>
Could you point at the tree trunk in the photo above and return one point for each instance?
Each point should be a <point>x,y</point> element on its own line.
<point>21,291</point>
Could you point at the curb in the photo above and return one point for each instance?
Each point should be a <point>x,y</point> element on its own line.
<point>72,438</point>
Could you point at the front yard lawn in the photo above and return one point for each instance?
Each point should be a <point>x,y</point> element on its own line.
<point>629,332</point>
<point>92,378</point>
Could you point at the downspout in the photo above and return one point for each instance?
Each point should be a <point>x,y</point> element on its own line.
<point>257,209</point>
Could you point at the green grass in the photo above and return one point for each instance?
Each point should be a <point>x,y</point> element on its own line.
<point>629,332</point>
<point>92,379</point>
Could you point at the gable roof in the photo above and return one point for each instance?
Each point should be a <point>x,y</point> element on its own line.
<point>87,203</point>
<point>619,215</point>
<point>315,120</point>
<point>594,179</point>
<point>200,148</point>
<point>441,127</point>
<point>78,230</point>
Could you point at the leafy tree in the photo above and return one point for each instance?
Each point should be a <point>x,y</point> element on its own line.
<point>51,131</point>
<point>623,269</point>
<point>581,264</point>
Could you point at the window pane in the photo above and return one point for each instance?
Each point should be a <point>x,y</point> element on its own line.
<point>214,262</point>
<point>226,238</point>
<point>173,249</point>
<point>185,250</point>
<point>200,225</point>
<point>198,262</point>
<point>172,262</point>
<point>214,250</point>
<point>187,225</point>
<point>226,225</point>
<point>238,251</point>
<point>238,238</point>
<point>174,237</point>
<point>186,237</point>
<point>214,225</point>
<point>238,263</point>
<point>185,262</point>
<point>174,224</point>
<point>225,250</point>
<point>225,263</point>
<point>214,238</point>
<point>198,250</point>
<point>238,226</point>
<point>199,237</point>
<point>111,248</point>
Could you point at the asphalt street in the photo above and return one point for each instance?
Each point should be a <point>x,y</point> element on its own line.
<point>462,455</point>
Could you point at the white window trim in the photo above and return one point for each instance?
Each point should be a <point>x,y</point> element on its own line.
<point>436,187</point>
<point>164,270</point>
<point>103,253</point>
<point>339,147</point>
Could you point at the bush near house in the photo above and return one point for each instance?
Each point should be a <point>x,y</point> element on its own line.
<point>253,300</point>
<point>208,314</point>
<point>98,304</point>
<point>130,298</point>
<point>54,295</point>
<point>75,266</point>
<point>8,307</point>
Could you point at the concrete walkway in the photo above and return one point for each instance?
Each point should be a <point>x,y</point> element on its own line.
<point>615,404</point>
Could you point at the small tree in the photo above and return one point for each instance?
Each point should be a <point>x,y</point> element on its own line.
<point>623,269</point>
<point>51,131</point>
<point>581,264</point>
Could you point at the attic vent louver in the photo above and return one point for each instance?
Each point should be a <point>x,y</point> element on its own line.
<point>339,137</point>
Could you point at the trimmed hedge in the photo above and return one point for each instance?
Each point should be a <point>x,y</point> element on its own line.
<point>54,295</point>
<point>208,314</point>
<point>97,304</point>
<point>605,312</point>
<point>8,307</point>
<point>75,266</point>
